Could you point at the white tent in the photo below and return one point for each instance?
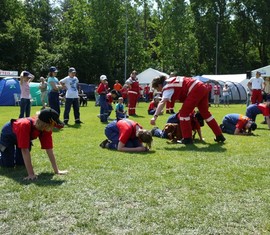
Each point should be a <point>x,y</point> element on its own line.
<point>236,82</point>
<point>265,71</point>
<point>148,75</point>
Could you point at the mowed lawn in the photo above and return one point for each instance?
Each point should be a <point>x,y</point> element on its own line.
<point>206,188</point>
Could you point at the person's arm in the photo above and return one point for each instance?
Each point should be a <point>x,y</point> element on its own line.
<point>121,147</point>
<point>53,162</point>
<point>159,109</point>
<point>28,164</point>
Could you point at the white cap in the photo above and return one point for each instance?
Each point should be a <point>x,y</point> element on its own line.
<point>103,77</point>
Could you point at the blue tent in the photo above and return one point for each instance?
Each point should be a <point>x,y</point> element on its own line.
<point>8,87</point>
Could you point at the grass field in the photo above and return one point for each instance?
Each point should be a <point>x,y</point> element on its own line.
<point>207,188</point>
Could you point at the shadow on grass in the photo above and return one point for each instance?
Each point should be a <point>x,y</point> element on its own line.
<point>215,147</point>
<point>17,174</point>
<point>75,126</point>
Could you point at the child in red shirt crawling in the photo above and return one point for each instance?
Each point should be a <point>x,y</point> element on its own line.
<point>127,136</point>
<point>21,132</point>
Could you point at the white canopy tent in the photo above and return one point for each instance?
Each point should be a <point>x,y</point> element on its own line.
<point>148,75</point>
<point>265,71</point>
<point>236,82</point>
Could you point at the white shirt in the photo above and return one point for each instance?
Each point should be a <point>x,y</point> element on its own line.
<point>71,85</point>
<point>256,83</point>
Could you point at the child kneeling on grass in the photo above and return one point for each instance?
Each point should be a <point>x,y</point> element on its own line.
<point>21,132</point>
<point>127,136</point>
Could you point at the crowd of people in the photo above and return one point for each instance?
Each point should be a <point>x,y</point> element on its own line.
<point>124,134</point>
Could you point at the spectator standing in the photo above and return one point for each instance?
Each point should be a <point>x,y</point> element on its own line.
<point>216,89</point>
<point>124,92</point>
<point>133,93</point>
<point>117,86</point>
<point>72,96</point>
<point>256,86</point>
<point>226,95</point>
<point>146,91</point>
<point>103,90</point>
<point>43,85</point>
<point>25,104</point>
<point>53,89</point>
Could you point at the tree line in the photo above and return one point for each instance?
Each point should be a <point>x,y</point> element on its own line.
<point>114,37</point>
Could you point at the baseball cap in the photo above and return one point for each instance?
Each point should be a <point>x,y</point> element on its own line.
<point>72,70</point>
<point>26,74</point>
<point>53,69</point>
<point>103,77</point>
<point>50,116</point>
<point>252,127</point>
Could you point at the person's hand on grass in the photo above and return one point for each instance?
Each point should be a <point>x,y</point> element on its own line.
<point>30,177</point>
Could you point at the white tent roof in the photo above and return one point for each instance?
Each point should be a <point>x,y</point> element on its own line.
<point>148,75</point>
<point>240,78</point>
<point>265,71</point>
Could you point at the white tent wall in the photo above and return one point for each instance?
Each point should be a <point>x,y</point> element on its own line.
<point>237,84</point>
<point>265,71</point>
<point>148,75</point>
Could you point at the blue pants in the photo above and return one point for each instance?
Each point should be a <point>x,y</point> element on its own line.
<point>76,108</point>
<point>12,155</point>
<point>25,107</point>
<point>253,111</point>
<point>103,108</point>
<point>228,126</point>
<point>53,98</point>
<point>112,133</point>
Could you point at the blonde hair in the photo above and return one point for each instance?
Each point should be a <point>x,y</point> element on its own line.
<point>146,137</point>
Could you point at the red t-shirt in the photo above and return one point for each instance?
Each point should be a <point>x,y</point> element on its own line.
<point>264,109</point>
<point>242,121</point>
<point>127,130</point>
<point>25,131</point>
<point>102,88</point>
<point>152,106</point>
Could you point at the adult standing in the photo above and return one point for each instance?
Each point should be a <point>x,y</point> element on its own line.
<point>72,95</point>
<point>192,93</point>
<point>43,91</point>
<point>226,95</point>
<point>146,91</point>
<point>256,86</point>
<point>25,104</point>
<point>209,88</point>
<point>103,90</point>
<point>216,89</point>
<point>117,86</point>
<point>53,89</point>
<point>133,93</point>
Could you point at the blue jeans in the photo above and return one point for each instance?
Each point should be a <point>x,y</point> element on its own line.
<point>76,108</point>
<point>53,98</point>
<point>25,105</point>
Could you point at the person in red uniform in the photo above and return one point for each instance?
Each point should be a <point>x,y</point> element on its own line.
<point>124,92</point>
<point>21,132</point>
<point>133,93</point>
<point>146,91</point>
<point>103,90</point>
<point>192,93</point>
<point>127,136</point>
<point>153,105</point>
<point>256,85</point>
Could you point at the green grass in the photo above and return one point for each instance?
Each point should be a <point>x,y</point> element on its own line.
<point>207,188</point>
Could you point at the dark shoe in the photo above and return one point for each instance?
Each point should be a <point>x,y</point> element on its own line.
<point>220,138</point>
<point>168,111</point>
<point>185,141</point>
<point>78,122</point>
<point>264,122</point>
<point>103,143</point>
<point>222,128</point>
<point>66,122</point>
<point>153,130</point>
<point>172,112</point>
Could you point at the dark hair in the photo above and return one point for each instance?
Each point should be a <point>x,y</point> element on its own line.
<point>158,80</point>
<point>252,127</point>
<point>146,137</point>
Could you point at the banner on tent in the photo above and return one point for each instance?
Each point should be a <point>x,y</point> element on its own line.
<point>4,73</point>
